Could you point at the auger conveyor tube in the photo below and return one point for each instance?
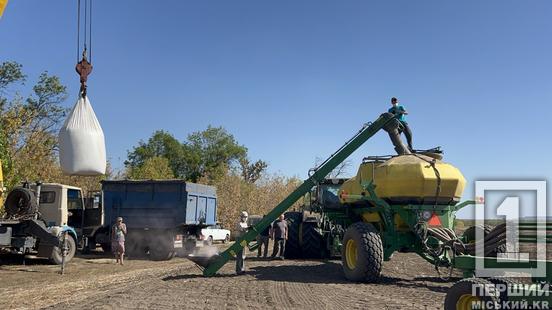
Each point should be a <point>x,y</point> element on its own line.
<point>214,264</point>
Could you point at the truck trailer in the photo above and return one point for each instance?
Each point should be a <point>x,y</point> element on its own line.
<point>156,212</point>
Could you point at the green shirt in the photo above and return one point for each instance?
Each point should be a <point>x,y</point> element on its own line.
<point>395,110</point>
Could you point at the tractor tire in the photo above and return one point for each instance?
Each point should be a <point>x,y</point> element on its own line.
<point>293,247</point>
<point>57,256</point>
<point>20,202</point>
<point>362,253</point>
<point>460,295</point>
<point>312,242</point>
<point>503,281</point>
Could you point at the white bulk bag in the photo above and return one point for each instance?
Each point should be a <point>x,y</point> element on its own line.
<point>81,142</point>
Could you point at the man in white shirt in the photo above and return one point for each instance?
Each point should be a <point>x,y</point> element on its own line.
<point>241,229</point>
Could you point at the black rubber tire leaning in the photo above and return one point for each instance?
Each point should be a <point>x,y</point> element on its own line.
<point>57,256</point>
<point>460,295</point>
<point>312,244</point>
<point>368,261</point>
<point>293,248</point>
<point>20,202</point>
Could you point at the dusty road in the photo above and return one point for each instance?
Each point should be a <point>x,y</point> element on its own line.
<point>94,282</point>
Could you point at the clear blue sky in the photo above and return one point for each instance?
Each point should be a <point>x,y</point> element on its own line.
<point>292,80</point>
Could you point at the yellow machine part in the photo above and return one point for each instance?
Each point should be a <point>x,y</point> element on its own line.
<point>407,179</point>
<point>374,217</point>
<point>3,4</point>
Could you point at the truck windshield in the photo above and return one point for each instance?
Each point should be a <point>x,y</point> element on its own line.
<point>74,199</point>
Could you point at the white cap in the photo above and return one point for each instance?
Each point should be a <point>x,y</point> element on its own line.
<point>244,214</point>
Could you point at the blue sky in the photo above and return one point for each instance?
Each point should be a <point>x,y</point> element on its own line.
<point>292,80</point>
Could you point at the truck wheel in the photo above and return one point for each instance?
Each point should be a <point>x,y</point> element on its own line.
<point>312,242</point>
<point>20,202</point>
<point>293,247</point>
<point>460,295</point>
<point>57,256</point>
<point>226,239</point>
<point>362,253</point>
<point>162,248</point>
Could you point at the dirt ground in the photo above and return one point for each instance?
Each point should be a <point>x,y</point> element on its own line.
<point>95,282</point>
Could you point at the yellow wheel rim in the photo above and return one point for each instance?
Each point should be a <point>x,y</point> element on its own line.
<point>466,302</point>
<point>351,254</point>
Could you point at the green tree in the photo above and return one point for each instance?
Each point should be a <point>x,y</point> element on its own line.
<point>209,153</point>
<point>161,144</point>
<point>251,172</point>
<point>29,125</point>
<point>152,168</point>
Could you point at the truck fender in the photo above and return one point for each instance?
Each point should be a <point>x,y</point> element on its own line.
<point>58,230</point>
<point>71,231</point>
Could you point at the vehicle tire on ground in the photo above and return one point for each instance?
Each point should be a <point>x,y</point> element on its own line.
<point>362,253</point>
<point>293,248</point>
<point>20,202</point>
<point>460,295</point>
<point>162,248</point>
<point>507,282</point>
<point>312,241</point>
<point>226,239</point>
<point>209,240</point>
<point>57,256</point>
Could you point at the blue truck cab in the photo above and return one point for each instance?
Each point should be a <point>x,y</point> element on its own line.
<point>158,212</point>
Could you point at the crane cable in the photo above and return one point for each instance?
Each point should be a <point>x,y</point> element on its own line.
<point>84,66</point>
<point>87,34</point>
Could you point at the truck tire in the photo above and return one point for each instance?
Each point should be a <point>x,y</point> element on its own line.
<point>57,256</point>
<point>162,248</point>
<point>312,241</point>
<point>362,253</point>
<point>20,202</point>
<point>460,295</point>
<point>293,248</point>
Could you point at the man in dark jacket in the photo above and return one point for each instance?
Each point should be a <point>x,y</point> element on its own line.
<point>279,235</point>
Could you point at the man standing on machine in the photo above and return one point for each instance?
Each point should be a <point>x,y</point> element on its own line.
<point>399,111</point>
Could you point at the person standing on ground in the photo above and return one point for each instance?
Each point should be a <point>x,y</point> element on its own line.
<point>118,233</point>
<point>241,229</point>
<point>279,235</point>
<point>399,111</point>
<point>263,241</point>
